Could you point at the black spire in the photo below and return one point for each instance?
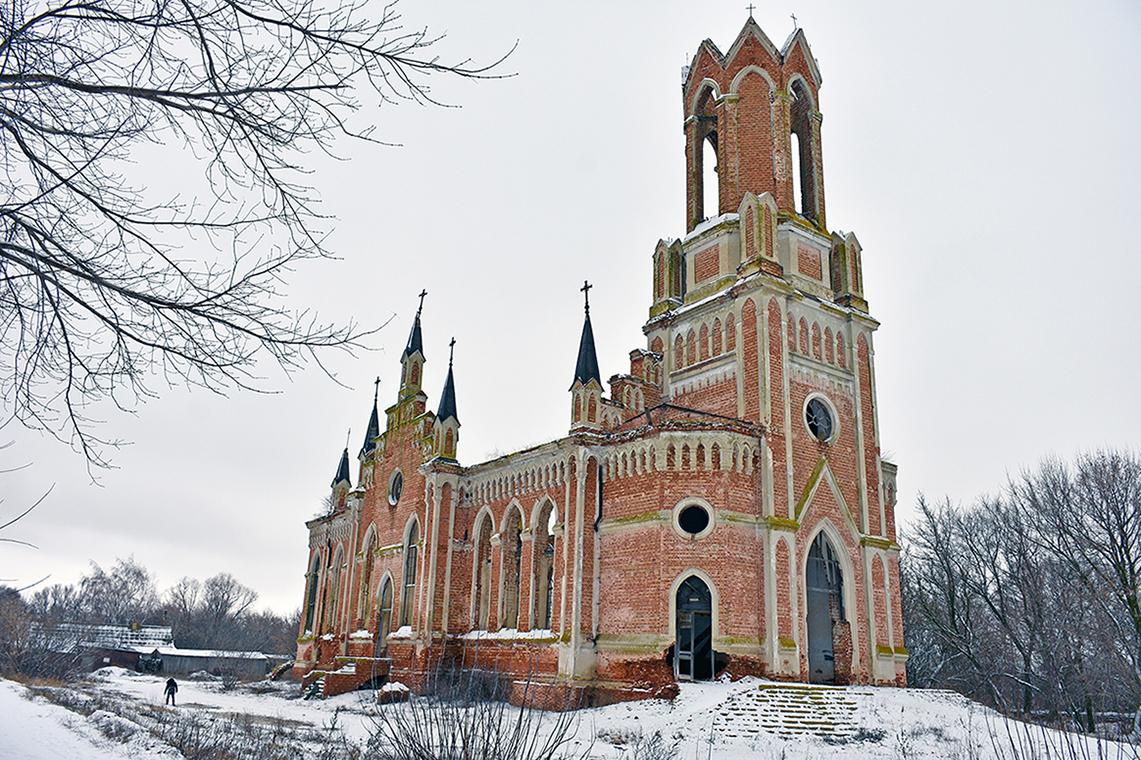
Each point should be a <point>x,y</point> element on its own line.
<point>447,408</point>
<point>343,470</point>
<point>373,426</point>
<point>415,342</point>
<point>587,367</point>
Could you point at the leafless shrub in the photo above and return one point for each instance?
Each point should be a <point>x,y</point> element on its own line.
<point>467,715</point>
<point>637,745</point>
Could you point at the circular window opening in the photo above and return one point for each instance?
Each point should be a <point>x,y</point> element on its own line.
<point>819,419</point>
<point>395,487</point>
<point>693,519</point>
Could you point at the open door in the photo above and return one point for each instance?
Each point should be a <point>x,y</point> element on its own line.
<point>824,583</point>
<point>693,660</point>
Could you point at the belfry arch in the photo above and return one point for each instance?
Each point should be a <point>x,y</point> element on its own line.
<point>705,133</point>
<point>803,150</point>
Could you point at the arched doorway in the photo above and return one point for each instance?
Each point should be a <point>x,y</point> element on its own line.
<point>824,584</point>
<point>693,659</point>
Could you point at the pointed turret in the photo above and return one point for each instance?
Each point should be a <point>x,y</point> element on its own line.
<point>342,476</point>
<point>412,360</point>
<point>341,483</point>
<point>373,431</point>
<point>446,428</point>
<point>587,367</point>
<point>586,389</point>
<point>415,340</point>
<point>447,410</point>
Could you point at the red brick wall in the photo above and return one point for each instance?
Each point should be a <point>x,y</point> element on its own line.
<point>751,361</point>
<point>719,397</point>
<point>784,573</point>
<point>706,264</point>
<point>871,451</point>
<point>808,261</point>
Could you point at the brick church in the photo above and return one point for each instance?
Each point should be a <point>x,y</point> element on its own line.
<point>723,510</point>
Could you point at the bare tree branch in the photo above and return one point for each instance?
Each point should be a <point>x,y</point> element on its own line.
<point>102,284</point>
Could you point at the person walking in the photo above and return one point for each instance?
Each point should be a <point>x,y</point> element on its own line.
<point>171,688</point>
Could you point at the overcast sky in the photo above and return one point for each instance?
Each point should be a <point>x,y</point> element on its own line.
<point>985,154</point>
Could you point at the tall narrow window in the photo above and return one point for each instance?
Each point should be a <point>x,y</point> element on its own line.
<point>711,201</point>
<point>544,564</point>
<point>333,589</point>
<point>410,550</point>
<point>364,604</point>
<point>311,599</point>
<point>797,181</point>
<point>482,613</point>
<point>384,624</point>
<point>512,563</point>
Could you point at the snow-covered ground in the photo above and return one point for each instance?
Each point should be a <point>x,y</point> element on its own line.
<point>118,710</point>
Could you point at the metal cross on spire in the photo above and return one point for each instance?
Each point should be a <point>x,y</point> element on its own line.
<point>793,17</point>
<point>422,294</point>
<point>376,391</point>
<point>750,7</point>
<point>451,351</point>
<point>586,286</point>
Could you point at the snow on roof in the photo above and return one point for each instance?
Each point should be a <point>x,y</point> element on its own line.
<point>709,224</point>
<point>226,653</point>
<point>71,636</point>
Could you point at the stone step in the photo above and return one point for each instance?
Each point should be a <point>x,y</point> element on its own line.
<point>788,711</point>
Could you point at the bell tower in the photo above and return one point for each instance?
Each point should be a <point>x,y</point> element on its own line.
<point>757,107</point>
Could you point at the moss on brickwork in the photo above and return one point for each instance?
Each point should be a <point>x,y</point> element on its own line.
<point>809,487</point>
<point>714,286</point>
<point>879,543</point>
<point>783,523</point>
<point>642,517</point>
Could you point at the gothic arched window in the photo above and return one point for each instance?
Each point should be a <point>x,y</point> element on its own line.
<point>411,549</point>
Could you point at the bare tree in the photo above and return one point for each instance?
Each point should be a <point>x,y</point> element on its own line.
<point>1090,519</point>
<point>58,603</point>
<point>224,602</point>
<point>943,605</point>
<point>125,595</point>
<point>1028,600</point>
<point>102,283</point>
